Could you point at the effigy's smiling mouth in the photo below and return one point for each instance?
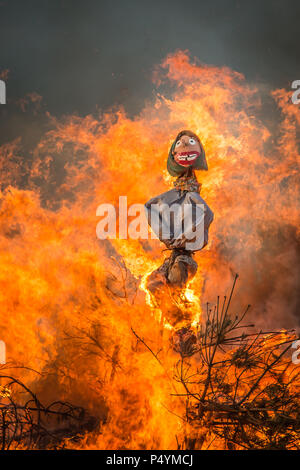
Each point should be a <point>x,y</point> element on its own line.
<point>187,158</point>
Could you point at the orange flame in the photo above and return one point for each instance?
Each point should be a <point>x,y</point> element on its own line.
<point>68,309</point>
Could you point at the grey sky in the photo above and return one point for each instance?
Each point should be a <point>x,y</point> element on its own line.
<point>81,54</point>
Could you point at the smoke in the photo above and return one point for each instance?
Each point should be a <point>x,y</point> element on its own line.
<point>78,57</point>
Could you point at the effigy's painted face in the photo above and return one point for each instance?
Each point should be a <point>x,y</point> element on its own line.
<point>187,150</point>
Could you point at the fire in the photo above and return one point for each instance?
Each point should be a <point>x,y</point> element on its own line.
<point>69,302</point>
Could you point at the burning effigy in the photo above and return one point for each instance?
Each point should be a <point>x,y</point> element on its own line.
<point>187,231</point>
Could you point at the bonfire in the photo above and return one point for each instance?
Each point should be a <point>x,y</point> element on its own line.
<point>95,360</point>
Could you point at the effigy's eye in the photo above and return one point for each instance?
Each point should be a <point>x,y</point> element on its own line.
<point>192,141</point>
<point>177,143</point>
